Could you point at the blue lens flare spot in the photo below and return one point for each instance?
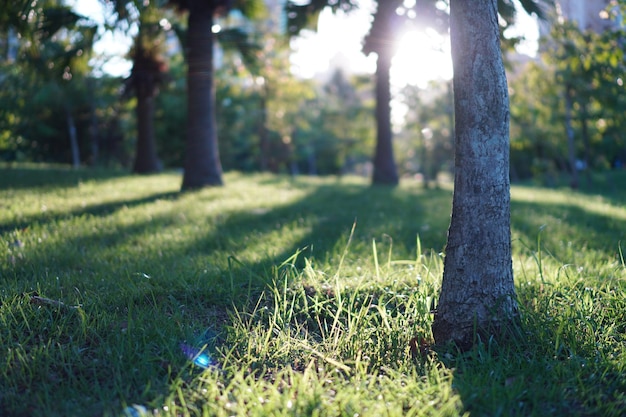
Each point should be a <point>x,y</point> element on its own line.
<point>203,360</point>
<point>197,356</point>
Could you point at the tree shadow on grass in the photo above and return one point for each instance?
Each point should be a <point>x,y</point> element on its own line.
<point>326,216</point>
<point>25,176</point>
<point>555,368</point>
<point>564,363</point>
<point>184,284</point>
<point>569,232</point>
<point>171,291</point>
<point>96,210</point>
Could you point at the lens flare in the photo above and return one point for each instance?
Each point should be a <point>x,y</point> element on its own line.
<point>197,356</point>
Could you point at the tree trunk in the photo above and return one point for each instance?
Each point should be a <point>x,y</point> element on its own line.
<point>385,171</point>
<point>571,144</point>
<point>263,131</point>
<point>146,159</point>
<point>584,132</point>
<point>71,127</point>
<point>13,43</point>
<point>478,295</point>
<point>202,161</point>
<point>93,123</point>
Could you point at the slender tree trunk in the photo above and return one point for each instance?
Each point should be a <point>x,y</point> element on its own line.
<point>93,123</point>
<point>71,127</point>
<point>385,171</point>
<point>146,159</point>
<point>12,45</point>
<point>311,160</point>
<point>584,130</point>
<point>263,131</point>
<point>202,161</point>
<point>425,163</point>
<point>571,144</point>
<point>478,295</point>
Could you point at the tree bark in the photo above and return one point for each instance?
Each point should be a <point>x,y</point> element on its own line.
<point>385,171</point>
<point>202,164</point>
<point>478,295</point>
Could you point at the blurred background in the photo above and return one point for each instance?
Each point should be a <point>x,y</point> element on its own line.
<point>103,84</point>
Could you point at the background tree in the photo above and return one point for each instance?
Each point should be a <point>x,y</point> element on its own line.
<point>588,67</point>
<point>537,130</point>
<point>202,164</point>
<point>478,295</point>
<point>282,98</point>
<point>171,113</point>
<point>343,130</point>
<point>148,73</point>
<point>386,27</point>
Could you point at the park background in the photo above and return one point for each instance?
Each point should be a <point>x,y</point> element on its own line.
<point>297,288</point>
<point>296,104</point>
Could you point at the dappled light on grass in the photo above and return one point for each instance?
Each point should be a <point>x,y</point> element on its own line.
<point>351,321</point>
<point>318,292</point>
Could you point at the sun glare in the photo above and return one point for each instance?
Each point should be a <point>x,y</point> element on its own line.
<point>421,56</point>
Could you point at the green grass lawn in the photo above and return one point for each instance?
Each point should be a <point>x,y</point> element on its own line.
<point>304,293</point>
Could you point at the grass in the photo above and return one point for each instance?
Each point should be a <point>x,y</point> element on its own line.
<point>305,293</point>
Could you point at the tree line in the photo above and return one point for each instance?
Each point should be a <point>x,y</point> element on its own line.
<point>267,119</point>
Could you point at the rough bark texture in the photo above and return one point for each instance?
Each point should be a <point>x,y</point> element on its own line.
<point>477,295</point>
<point>202,162</point>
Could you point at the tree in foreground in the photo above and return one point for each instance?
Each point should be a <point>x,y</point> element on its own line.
<point>478,295</point>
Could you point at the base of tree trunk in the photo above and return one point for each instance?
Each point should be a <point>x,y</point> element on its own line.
<point>465,336</point>
<point>153,167</point>
<point>190,185</point>
<point>385,178</point>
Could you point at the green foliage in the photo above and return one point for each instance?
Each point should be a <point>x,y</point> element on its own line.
<point>272,121</point>
<point>104,275</point>
<point>171,114</point>
<point>46,92</point>
<point>590,68</point>
<point>33,117</point>
<point>538,146</point>
<point>304,16</point>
